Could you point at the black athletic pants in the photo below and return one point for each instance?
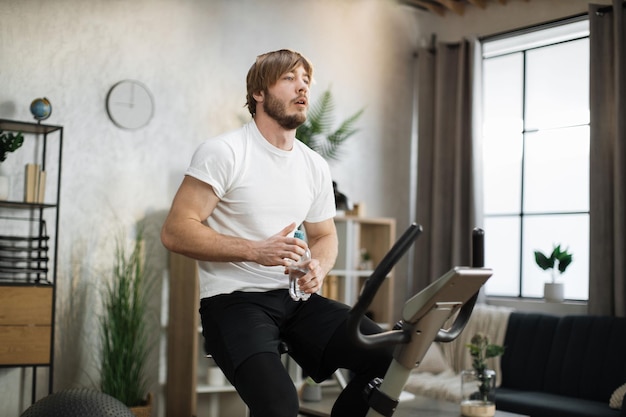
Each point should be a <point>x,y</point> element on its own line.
<point>242,332</point>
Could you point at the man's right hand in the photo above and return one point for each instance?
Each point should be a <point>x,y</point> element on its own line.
<point>279,249</point>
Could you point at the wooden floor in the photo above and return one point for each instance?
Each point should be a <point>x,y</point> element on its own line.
<point>410,407</point>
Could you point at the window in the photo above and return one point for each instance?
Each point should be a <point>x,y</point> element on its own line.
<point>536,157</point>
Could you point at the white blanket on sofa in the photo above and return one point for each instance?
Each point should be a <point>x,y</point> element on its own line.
<point>438,376</point>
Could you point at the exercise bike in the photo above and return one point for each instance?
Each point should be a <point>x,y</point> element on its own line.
<point>423,317</point>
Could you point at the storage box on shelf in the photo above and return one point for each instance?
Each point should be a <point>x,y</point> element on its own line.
<point>28,249</point>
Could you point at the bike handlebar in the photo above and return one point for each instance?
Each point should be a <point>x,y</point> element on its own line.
<point>375,280</point>
<point>478,261</point>
<point>370,288</point>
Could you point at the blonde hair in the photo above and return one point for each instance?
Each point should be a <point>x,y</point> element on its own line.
<point>268,68</point>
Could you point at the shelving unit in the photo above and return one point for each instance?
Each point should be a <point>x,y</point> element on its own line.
<point>375,236</point>
<point>187,390</point>
<point>28,256</point>
<point>186,387</point>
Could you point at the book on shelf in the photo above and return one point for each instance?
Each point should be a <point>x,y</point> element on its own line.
<point>34,184</point>
<point>41,186</point>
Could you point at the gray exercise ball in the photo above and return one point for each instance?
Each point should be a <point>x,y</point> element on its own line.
<point>78,402</point>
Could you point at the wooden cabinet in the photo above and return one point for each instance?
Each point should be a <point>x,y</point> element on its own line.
<point>28,248</point>
<point>25,325</point>
<point>187,390</point>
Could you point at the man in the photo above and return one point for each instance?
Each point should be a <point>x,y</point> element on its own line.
<point>236,210</point>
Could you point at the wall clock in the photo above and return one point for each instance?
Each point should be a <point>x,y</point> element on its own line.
<point>130,104</point>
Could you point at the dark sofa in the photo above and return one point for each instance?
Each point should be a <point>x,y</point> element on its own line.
<point>562,366</point>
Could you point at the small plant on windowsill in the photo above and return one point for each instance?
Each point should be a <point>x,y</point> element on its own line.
<point>558,261</point>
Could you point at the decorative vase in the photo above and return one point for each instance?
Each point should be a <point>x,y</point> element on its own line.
<point>478,393</point>
<point>4,187</point>
<point>553,292</point>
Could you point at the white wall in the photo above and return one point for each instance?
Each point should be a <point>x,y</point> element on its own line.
<point>193,55</point>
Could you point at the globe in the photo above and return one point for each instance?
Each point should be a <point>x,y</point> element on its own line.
<point>41,108</point>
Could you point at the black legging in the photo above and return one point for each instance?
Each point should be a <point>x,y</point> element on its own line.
<point>265,385</point>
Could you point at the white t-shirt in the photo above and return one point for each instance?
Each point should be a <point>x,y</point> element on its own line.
<point>261,189</point>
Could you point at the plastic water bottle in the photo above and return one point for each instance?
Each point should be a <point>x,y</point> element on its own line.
<point>296,270</point>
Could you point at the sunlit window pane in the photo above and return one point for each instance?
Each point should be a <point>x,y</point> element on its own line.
<point>502,174</point>
<point>502,249</point>
<point>535,163</point>
<point>558,96</point>
<point>542,233</point>
<point>502,134</point>
<point>503,93</point>
<point>556,170</point>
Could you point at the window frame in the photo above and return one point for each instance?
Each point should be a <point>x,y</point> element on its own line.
<point>540,36</point>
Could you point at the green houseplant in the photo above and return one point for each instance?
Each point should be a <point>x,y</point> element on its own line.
<point>478,384</point>
<point>9,142</point>
<point>123,330</point>
<point>558,261</point>
<point>318,133</point>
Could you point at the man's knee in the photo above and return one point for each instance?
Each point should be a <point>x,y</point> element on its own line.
<point>284,406</point>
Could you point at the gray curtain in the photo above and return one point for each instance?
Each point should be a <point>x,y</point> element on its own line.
<point>445,191</point>
<point>607,225</point>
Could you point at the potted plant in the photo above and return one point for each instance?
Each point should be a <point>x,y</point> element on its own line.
<point>558,261</point>
<point>124,334</point>
<point>478,384</point>
<point>318,133</point>
<point>9,142</point>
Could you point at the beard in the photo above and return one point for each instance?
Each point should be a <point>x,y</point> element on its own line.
<point>276,110</point>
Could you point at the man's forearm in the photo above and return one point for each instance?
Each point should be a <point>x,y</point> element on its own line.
<point>324,249</point>
<point>202,243</point>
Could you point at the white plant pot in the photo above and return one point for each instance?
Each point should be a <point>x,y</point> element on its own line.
<point>553,292</point>
<point>311,393</point>
<point>215,376</point>
<point>4,187</point>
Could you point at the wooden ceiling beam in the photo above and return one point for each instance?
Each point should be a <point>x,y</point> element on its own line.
<point>433,7</point>
<point>479,3</point>
<point>440,7</point>
<point>456,6</point>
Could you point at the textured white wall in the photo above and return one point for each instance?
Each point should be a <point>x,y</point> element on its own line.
<point>193,55</point>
